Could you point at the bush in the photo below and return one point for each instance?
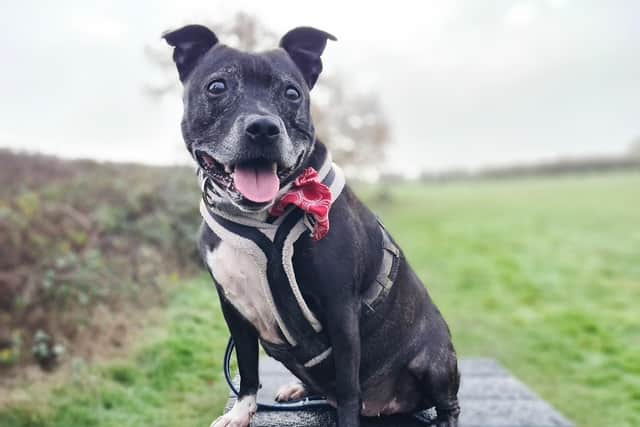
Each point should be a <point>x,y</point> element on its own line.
<point>76,234</point>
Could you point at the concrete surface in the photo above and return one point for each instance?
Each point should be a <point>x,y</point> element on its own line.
<point>489,397</point>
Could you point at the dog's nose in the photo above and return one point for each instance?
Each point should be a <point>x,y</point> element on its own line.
<point>263,129</point>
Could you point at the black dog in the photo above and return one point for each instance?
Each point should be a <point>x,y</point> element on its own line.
<point>343,311</point>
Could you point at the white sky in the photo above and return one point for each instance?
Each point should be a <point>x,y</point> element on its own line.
<point>464,83</point>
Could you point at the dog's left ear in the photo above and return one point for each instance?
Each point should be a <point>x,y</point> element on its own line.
<point>190,44</point>
<point>305,46</point>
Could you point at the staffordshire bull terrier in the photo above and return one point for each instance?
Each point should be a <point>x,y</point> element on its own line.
<point>300,264</point>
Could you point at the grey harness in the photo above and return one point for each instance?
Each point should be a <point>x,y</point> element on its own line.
<point>271,245</point>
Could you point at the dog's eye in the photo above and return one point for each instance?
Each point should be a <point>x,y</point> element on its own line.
<point>217,87</point>
<point>291,93</point>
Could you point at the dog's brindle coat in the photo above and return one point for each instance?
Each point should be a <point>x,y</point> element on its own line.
<point>401,359</point>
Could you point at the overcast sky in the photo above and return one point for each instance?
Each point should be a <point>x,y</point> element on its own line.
<point>464,83</point>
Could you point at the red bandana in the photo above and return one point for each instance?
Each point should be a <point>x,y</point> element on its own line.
<point>310,195</point>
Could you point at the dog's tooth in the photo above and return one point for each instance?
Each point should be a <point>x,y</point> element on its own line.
<point>274,166</point>
<point>228,169</point>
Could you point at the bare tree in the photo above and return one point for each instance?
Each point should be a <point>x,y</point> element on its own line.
<point>351,123</point>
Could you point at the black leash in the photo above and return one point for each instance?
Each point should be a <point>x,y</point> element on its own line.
<point>307,402</point>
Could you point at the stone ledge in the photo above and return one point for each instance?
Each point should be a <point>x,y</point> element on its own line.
<point>489,397</point>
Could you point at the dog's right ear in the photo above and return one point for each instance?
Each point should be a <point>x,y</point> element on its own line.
<point>190,44</point>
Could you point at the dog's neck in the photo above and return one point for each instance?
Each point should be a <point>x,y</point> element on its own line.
<point>318,159</point>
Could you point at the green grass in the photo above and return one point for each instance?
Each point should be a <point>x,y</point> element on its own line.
<point>542,274</point>
<point>172,379</point>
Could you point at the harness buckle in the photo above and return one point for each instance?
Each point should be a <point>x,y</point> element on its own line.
<point>385,282</point>
<point>366,304</point>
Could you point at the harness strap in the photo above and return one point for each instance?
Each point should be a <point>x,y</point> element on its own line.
<point>305,341</point>
<point>335,181</point>
<point>381,286</point>
<point>227,232</point>
<point>271,246</point>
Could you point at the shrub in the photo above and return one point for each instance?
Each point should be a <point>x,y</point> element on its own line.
<point>76,234</point>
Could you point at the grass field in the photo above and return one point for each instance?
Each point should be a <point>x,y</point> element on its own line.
<point>171,379</point>
<point>541,274</point>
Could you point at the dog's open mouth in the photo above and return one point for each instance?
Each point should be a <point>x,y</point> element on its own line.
<point>256,181</point>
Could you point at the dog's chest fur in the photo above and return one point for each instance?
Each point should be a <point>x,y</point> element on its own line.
<point>241,282</point>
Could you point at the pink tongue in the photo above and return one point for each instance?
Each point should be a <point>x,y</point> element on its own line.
<point>257,183</point>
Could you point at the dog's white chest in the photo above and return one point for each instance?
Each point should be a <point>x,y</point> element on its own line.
<point>242,283</point>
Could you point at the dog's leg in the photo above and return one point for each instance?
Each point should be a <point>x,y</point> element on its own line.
<point>446,401</point>
<point>344,333</point>
<point>441,382</point>
<point>246,340</point>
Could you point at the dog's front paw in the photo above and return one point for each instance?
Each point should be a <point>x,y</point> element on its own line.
<point>240,415</point>
<point>292,391</point>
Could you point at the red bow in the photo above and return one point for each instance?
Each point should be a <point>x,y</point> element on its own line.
<point>310,195</point>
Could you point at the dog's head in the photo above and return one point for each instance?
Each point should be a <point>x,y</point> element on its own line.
<point>246,115</point>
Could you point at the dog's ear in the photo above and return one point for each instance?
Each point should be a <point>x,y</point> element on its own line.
<point>305,46</point>
<point>190,43</point>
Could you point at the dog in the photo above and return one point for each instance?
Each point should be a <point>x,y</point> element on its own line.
<point>339,305</point>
